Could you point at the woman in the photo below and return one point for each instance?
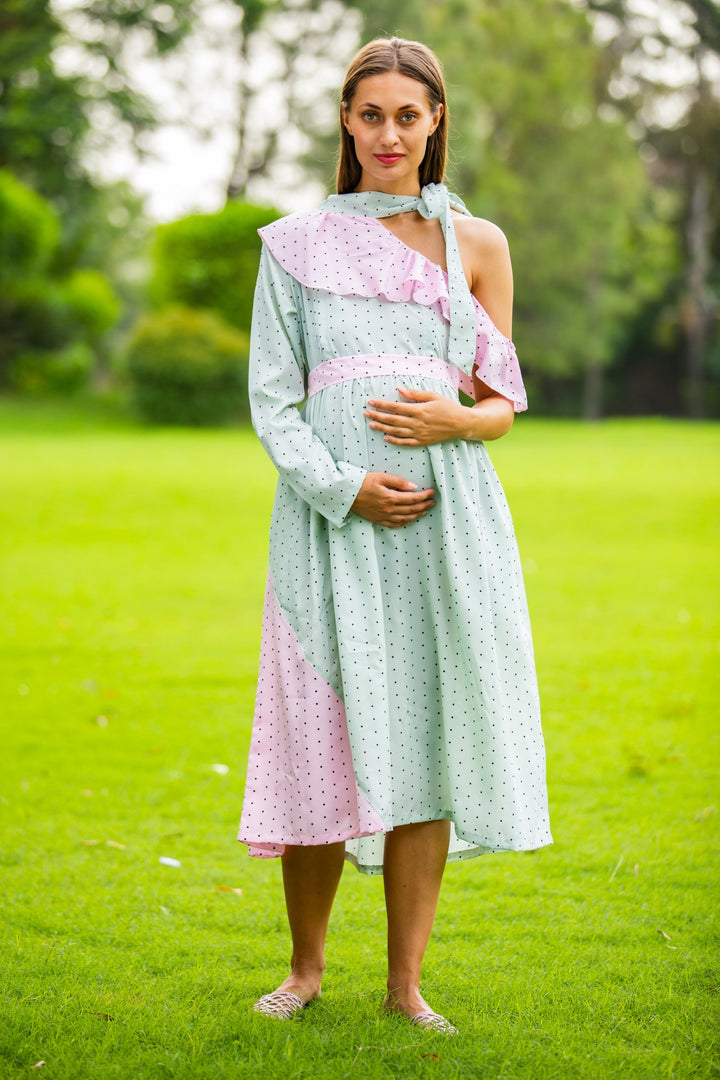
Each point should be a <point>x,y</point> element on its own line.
<point>397,720</point>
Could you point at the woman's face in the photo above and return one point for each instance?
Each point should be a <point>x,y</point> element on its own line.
<point>390,120</point>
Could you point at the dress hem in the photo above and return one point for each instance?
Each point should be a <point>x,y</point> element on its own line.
<point>264,849</point>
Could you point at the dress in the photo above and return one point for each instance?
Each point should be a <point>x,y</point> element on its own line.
<point>396,679</point>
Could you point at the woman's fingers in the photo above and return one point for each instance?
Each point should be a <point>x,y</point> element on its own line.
<point>390,480</point>
<point>398,406</point>
<point>397,520</point>
<point>393,425</point>
<point>407,506</point>
<point>386,415</point>
<point>409,498</point>
<point>418,395</point>
<point>405,489</point>
<point>391,500</point>
<point>429,419</point>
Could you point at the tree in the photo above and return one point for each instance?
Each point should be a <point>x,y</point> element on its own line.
<point>679,122</point>
<point>57,74</point>
<point>292,58</point>
<point>210,261</point>
<point>532,151</point>
<point>51,327</point>
<point>66,86</point>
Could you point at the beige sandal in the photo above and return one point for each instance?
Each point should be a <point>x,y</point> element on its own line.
<point>282,1004</point>
<point>432,1021</point>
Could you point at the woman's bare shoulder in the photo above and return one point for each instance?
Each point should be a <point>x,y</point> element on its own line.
<point>480,235</point>
<point>485,254</point>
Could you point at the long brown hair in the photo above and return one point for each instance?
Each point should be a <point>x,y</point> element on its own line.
<point>415,60</point>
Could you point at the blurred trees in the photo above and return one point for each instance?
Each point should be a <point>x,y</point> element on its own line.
<point>662,71</point>
<point>64,80</point>
<point>187,366</point>
<point>51,325</point>
<point>42,121</point>
<point>64,86</point>
<point>187,361</point>
<point>533,150</point>
<point>292,60</point>
<point>598,153</point>
<point>211,260</point>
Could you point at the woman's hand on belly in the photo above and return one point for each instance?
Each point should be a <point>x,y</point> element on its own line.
<point>425,418</point>
<point>391,501</point>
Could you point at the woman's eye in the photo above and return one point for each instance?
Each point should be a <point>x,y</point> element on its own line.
<point>369,116</point>
<point>408,116</point>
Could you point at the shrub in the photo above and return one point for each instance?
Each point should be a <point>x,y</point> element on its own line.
<point>211,260</point>
<point>50,326</point>
<point>64,371</point>
<point>39,316</point>
<point>187,367</point>
<point>28,229</point>
<point>94,304</point>
<point>34,317</point>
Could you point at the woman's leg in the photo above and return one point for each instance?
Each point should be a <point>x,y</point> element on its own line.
<point>413,867</point>
<point>310,876</point>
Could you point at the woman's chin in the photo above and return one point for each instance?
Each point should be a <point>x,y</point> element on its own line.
<point>391,178</point>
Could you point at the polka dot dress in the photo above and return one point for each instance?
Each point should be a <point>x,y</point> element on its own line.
<point>396,679</point>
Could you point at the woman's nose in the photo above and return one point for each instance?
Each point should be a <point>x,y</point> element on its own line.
<point>389,134</point>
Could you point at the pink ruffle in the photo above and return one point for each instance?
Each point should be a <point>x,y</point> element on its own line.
<point>355,255</point>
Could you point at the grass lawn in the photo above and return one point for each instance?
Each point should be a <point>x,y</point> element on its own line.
<point>134,568</point>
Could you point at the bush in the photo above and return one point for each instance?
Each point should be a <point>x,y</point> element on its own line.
<point>64,371</point>
<point>40,316</point>
<point>28,229</point>
<point>211,260</point>
<point>91,298</point>
<point>34,317</point>
<point>187,367</point>
<point>50,326</point>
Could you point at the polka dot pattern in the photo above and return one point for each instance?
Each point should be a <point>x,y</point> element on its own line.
<point>397,680</point>
<point>358,256</point>
<point>300,779</point>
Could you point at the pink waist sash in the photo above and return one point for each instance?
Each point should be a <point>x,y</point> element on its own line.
<point>343,368</point>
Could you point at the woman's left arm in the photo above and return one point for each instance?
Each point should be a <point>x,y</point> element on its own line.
<point>425,418</point>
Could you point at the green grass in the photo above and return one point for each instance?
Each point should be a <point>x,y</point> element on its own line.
<point>134,566</point>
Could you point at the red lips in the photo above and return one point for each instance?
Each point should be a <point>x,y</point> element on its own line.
<point>388,159</point>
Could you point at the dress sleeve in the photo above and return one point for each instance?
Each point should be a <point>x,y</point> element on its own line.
<point>277,387</point>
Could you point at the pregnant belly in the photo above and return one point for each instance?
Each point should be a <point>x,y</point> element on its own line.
<point>336,416</point>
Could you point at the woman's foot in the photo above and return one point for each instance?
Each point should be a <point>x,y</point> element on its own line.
<point>281,1004</point>
<point>410,1003</point>
<point>306,986</point>
<point>291,996</point>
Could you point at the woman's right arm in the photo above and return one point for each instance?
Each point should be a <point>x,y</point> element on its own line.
<point>277,387</point>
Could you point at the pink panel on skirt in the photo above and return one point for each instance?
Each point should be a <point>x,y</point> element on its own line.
<point>300,786</point>
<point>342,368</point>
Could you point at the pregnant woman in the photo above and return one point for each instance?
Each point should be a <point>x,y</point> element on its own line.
<point>397,721</point>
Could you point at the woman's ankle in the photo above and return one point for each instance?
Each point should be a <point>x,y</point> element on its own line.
<point>404,997</point>
<point>306,985</point>
<point>307,966</point>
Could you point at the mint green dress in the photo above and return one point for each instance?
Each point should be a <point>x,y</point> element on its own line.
<point>396,680</point>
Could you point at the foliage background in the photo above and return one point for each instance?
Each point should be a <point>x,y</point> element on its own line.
<point>588,129</point>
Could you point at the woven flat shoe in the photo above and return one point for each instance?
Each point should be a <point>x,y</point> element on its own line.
<point>432,1021</point>
<point>282,1004</point>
